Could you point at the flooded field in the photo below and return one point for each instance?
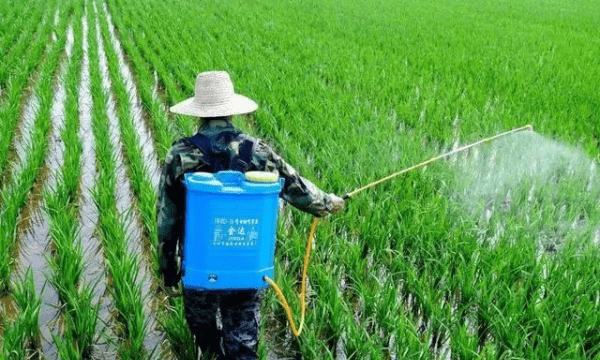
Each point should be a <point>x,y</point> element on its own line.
<point>491,253</point>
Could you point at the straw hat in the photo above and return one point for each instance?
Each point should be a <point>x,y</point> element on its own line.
<point>214,97</point>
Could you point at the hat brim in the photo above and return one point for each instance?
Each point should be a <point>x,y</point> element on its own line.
<point>238,104</point>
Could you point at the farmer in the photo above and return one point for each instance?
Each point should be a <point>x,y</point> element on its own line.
<point>219,146</point>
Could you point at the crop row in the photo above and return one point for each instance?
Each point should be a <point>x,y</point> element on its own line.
<point>17,186</point>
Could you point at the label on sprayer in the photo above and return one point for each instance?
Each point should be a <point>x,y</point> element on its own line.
<point>235,232</point>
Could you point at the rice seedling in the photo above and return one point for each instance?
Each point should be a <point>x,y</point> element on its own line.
<point>139,165</point>
<point>186,124</point>
<point>23,333</point>
<point>176,79</point>
<point>88,213</point>
<point>35,240</point>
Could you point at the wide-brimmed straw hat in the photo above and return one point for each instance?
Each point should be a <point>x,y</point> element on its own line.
<point>214,97</point>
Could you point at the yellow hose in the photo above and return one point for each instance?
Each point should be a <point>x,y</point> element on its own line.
<point>285,304</point>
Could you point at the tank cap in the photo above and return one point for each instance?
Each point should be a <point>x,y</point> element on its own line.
<point>261,176</point>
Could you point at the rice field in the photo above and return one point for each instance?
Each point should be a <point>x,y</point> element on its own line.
<point>490,254</point>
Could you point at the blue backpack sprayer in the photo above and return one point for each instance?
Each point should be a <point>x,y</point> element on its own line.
<point>230,225</point>
<point>230,229</point>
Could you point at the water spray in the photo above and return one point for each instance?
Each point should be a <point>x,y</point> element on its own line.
<point>297,331</point>
<point>434,159</point>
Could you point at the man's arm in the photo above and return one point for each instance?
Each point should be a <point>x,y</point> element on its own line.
<point>298,191</point>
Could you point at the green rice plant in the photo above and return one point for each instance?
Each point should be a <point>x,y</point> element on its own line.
<point>181,340</point>
<point>14,194</point>
<point>12,99</point>
<point>173,322</point>
<point>23,333</point>
<point>153,53</point>
<point>142,186</point>
<point>11,23</point>
<point>177,80</point>
<point>67,261</point>
<point>66,345</point>
<point>23,27</point>
<point>80,316</point>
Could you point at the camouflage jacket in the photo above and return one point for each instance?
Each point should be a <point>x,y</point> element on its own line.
<point>185,157</point>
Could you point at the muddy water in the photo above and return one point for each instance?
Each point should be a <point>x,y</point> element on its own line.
<point>93,256</point>
<point>23,138</point>
<point>145,138</point>
<point>125,207</point>
<point>340,348</point>
<point>54,162</point>
<point>40,231</point>
<point>8,311</point>
<point>155,93</point>
<point>56,17</point>
<point>22,141</point>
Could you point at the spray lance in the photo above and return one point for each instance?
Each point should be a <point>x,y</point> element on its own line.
<point>297,330</point>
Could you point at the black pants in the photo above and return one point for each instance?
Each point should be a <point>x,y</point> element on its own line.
<point>240,311</point>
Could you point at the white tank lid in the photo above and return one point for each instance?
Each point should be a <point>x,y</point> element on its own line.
<point>261,176</point>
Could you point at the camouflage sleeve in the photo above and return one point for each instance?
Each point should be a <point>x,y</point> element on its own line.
<point>298,191</point>
<point>170,217</point>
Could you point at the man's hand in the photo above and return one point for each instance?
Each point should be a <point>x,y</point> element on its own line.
<point>337,203</point>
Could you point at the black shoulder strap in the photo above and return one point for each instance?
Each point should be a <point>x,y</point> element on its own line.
<point>214,156</point>
<point>243,161</point>
<point>219,158</point>
<point>202,142</point>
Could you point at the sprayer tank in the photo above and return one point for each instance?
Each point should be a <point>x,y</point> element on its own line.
<point>230,228</point>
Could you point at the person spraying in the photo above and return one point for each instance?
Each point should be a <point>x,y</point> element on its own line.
<point>219,146</point>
